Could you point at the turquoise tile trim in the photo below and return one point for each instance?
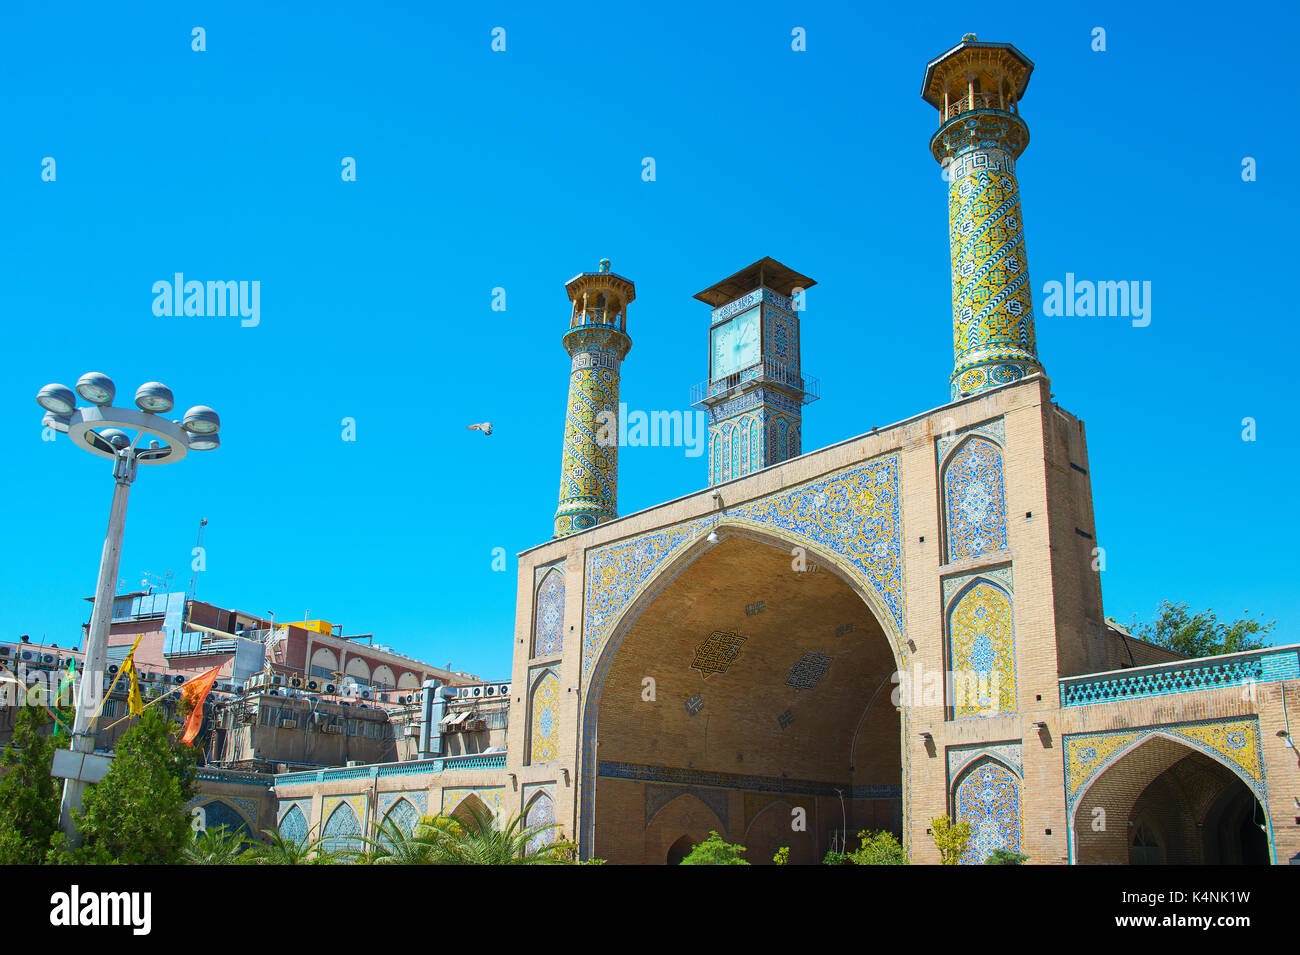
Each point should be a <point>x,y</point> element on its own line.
<point>1234,669</point>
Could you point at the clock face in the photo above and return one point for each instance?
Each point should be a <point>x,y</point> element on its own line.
<point>735,344</point>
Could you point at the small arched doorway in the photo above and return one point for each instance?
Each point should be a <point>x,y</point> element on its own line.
<point>679,850</point>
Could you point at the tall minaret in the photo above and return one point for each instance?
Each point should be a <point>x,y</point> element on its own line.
<point>977,88</point>
<point>597,342</point>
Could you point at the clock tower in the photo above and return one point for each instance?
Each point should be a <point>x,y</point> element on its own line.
<point>756,389</point>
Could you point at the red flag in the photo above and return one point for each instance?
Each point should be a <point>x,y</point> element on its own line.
<point>195,692</point>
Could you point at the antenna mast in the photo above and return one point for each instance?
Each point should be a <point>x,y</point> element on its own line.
<point>194,578</point>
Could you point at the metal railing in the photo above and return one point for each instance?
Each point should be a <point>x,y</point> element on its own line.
<point>766,371</point>
<point>412,767</point>
<point>982,101</point>
<point>1207,673</point>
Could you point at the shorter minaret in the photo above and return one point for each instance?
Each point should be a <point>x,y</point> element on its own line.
<point>597,342</point>
<point>756,388</point>
<point>977,88</point>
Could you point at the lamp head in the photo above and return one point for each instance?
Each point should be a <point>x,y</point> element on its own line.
<point>154,397</point>
<point>201,420</point>
<point>97,388</point>
<point>57,399</point>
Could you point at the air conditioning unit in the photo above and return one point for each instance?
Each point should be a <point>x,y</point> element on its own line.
<point>476,691</point>
<point>6,653</point>
<point>150,676</point>
<point>489,691</point>
<point>28,655</point>
<point>179,678</point>
<point>411,731</point>
<point>504,689</point>
<point>112,668</point>
<point>277,679</point>
<point>331,688</point>
<point>313,685</point>
<point>296,682</point>
<point>275,691</point>
<point>366,694</point>
<point>385,697</point>
<point>68,661</point>
<point>49,659</point>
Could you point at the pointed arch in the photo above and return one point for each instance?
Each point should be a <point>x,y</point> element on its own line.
<point>548,621</point>
<point>218,813</point>
<point>403,814</point>
<point>544,718</point>
<point>342,830</point>
<point>981,637</point>
<point>755,444</point>
<point>541,812</point>
<point>988,796</point>
<point>293,825</point>
<point>974,496</point>
<point>792,441</point>
<point>464,810</point>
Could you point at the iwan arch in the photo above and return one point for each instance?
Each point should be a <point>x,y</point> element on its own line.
<point>729,660</point>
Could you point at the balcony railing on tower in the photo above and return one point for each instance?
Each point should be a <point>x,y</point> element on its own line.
<point>765,372</point>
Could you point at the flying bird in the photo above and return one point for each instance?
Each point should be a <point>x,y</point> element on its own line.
<point>484,426</point>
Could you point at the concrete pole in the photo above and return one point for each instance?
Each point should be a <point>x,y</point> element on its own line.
<point>96,650</point>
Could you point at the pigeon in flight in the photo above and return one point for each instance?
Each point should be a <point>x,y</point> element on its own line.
<point>484,426</point>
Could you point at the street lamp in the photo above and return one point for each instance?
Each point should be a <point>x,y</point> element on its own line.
<point>104,430</point>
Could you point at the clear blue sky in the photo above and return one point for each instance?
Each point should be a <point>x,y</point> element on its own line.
<point>519,169</point>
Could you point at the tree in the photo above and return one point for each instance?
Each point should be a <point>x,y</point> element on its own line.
<point>483,840</point>
<point>29,795</point>
<point>878,848</point>
<point>219,846</point>
<point>715,851</point>
<point>1201,634</point>
<point>1006,857</point>
<point>950,838</point>
<point>277,850</point>
<point>136,814</point>
<point>782,856</point>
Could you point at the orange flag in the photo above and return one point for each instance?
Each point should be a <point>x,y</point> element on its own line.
<point>195,692</point>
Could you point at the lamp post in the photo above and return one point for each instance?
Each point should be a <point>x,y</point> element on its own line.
<point>103,429</point>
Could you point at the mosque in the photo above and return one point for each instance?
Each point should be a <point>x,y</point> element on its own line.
<point>902,625</point>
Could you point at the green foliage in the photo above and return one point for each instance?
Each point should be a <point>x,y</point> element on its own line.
<point>950,838</point>
<point>835,858</point>
<point>480,840</point>
<point>218,846</point>
<point>1006,857</point>
<point>277,850</point>
<point>136,814</point>
<point>29,795</point>
<point>485,841</point>
<point>1201,634</point>
<point>715,851</point>
<point>878,848</point>
<point>782,856</point>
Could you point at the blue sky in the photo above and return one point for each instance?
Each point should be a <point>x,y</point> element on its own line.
<point>478,170</point>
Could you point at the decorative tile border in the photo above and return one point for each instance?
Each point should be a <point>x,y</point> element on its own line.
<point>679,777</point>
<point>959,757</point>
<point>855,514</point>
<point>1234,742</point>
<point>493,796</point>
<point>994,429</point>
<point>419,799</point>
<point>1000,575</point>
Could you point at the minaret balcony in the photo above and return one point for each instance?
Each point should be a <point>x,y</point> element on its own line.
<point>767,372</point>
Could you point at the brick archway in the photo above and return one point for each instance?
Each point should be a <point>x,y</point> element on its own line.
<point>803,712</point>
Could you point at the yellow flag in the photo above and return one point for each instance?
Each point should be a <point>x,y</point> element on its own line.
<point>135,705</point>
